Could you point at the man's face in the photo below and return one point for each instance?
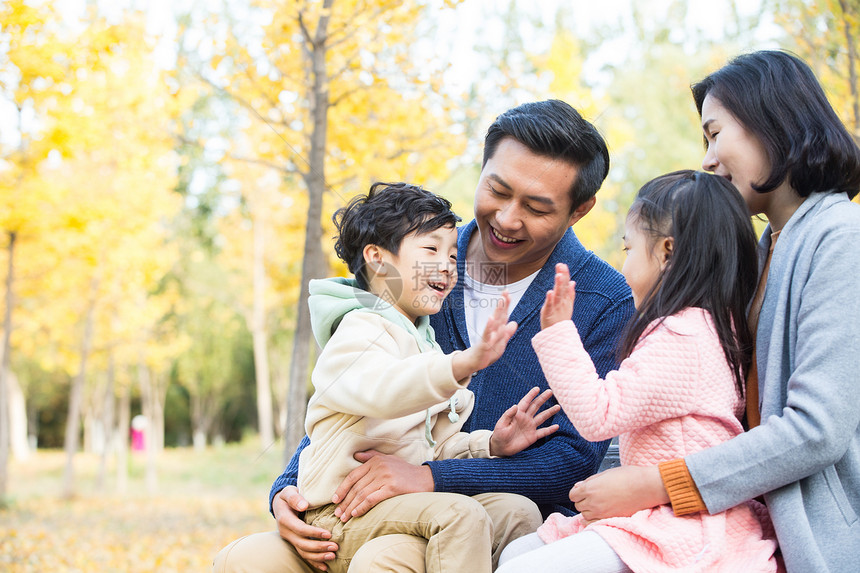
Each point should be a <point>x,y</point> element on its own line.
<point>522,208</point>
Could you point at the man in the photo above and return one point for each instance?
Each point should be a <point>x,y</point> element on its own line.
<point>542,166</point>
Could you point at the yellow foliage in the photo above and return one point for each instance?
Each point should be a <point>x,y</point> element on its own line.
<point>386,120</point>
<point>827,50</point>
<point>93,218</point>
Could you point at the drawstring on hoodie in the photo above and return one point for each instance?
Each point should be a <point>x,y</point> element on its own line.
<point>453,417</point>
<point>331,299</point>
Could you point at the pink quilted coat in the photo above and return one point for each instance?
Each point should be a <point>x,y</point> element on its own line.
<point>674,395</point>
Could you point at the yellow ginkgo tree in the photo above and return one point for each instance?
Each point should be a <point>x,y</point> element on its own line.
<point>33,65</point>
<point>119,188</point>
<point>833,50</point>
<point>335,97</point>
<point>86,195</point>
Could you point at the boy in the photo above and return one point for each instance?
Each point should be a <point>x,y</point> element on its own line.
<point>381,382</point>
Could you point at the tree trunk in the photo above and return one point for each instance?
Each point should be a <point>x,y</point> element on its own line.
<point>107,424</point>
<point>20,446</point>
<point>122,430</point>
<point>4,369</point>
<point>852,66</point>
<point>160,383</point>
<point>259,335</point>
<point>73,423</point>
<point>313,263</point>
<point>147,400</point>
<point>198,433</point>
<point>280,389</point>
<point>202,416</point>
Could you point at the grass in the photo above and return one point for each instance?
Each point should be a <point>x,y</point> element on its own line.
<point>204,500</point>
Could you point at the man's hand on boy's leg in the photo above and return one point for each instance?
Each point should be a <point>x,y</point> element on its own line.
<point>378,478</point>
<point>311,543</point>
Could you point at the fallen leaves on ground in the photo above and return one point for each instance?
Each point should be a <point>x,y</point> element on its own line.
<point>204,501</point>
<point>105,535</point>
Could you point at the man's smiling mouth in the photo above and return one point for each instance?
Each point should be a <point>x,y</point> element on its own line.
<point>503,238</point>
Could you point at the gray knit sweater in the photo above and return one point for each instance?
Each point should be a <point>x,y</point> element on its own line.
<point>805,455</point>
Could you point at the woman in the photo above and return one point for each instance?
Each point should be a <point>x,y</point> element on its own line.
<point>769,129</point>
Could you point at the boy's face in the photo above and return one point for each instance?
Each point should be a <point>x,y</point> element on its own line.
<point>417,279</point>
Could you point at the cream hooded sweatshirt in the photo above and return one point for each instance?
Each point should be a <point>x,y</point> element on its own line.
<point>380,383</point>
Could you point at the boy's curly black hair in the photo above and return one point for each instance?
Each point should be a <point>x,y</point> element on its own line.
<point>383,217</point>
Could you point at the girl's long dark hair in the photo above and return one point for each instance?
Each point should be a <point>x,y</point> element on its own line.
<point>712,264</point>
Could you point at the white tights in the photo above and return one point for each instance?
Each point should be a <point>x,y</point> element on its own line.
<point>585,552</point>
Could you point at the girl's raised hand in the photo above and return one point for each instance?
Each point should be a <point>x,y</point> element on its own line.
<point>518,428</point>
<point>558,305</point>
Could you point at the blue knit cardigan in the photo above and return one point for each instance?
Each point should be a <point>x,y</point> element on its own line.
<point>547,470</point>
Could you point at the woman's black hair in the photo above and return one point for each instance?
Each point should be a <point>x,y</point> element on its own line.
<point>383,217</point>
<point>712,264</point>
<point>777,98</point>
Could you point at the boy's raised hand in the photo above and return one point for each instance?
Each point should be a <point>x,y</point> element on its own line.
<point>558,305</point>
<point>518,428</point>
<point>491,345</point>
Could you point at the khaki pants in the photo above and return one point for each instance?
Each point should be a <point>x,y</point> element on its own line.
<point>457,529</point>
<point>512,516</point>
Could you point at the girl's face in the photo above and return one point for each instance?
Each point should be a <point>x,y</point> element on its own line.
<point>646,258</point>
<point>735,153</point>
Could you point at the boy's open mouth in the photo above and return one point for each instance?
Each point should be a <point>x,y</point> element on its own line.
<point>437,286</point>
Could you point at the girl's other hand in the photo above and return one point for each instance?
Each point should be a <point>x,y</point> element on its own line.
<point>619,492</point>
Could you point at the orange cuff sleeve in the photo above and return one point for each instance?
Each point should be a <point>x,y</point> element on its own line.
<point>681,488</point>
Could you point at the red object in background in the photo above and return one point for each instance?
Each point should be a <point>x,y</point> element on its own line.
<point>138,433</point>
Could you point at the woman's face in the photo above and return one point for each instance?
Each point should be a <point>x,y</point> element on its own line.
<point>735,153</point>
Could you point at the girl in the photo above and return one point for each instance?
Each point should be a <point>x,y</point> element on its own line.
<point>692,269</point>
<point>770,130</point>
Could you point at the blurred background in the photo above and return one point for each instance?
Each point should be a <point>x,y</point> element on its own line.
<point>168,170</point>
